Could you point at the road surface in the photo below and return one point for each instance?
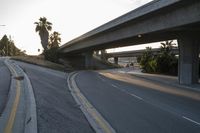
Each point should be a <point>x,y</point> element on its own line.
<point>141,106</point>
<point>4,84</point>
<point>57,112</point>
<point>130,104</point>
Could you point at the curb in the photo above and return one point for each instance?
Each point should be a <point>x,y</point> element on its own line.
<point>30,125</point>
<point>11,95</point>
<point>31,113</point>
<point>98,123</point>
<point>189,88</point>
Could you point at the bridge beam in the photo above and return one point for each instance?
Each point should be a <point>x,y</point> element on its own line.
<point>188,70</point>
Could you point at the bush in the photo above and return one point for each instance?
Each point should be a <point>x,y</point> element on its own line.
<point>147,61</point>
<point>165,62</point>
<point>51,54</point>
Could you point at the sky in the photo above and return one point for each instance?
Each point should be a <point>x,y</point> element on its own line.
<point>71,18</point>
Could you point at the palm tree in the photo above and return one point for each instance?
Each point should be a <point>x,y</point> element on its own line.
<point>43,27</point>
<point>54,40</point>
<point>167,46</point>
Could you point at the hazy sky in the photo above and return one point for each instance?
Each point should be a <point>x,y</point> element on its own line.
<point>71,18</point>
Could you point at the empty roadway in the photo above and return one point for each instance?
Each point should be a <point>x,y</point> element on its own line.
<point>57,111</point>
<point>4,84</point>
<point>140,107</point>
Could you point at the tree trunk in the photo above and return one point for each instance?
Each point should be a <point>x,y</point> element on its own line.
<point>44,36</point>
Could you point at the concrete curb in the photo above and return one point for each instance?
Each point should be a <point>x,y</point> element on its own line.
<point>189,88</point>
<point>98,123</point>
<point>11,96</point>
<point>31,113</point>
<point>30,125</point>
<point>148,76</point>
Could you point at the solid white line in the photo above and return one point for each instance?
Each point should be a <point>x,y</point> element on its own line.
<point>136,96</point>
<point>191,120</point>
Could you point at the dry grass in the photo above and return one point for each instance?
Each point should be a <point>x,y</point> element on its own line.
<point>39,60</point>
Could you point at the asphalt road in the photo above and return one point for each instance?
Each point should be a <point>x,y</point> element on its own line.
<point>57,112</point>
<point>5,77</point>
<point>140,106</point>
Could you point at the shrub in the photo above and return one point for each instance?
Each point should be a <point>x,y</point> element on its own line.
<point>165,62</point>
<point>147,61</point>
<point>51,54</point>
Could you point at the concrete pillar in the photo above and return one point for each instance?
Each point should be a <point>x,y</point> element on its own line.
<point>116,60</point>
<point>103,55</point>
<point>96,53</point>
<point>188,71</point>
<point>89,60</point>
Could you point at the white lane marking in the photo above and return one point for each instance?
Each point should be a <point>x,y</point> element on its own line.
<point>114,85</point>
<point>136,96</point>
<point>127,92</point>
<point>101,78</point>
<point>191,120</point>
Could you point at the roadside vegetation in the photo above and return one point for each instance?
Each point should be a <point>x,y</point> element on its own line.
<point>50,42</point>
<point>165,61</point>
<point>8,48</point>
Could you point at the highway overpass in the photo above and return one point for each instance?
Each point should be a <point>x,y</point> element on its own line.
<point>134,53</point>
<point>158,20</point>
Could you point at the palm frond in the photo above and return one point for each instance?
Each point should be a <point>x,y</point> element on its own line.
<point>49,28</point>
<point>38,28</point>
<point>49,23</point>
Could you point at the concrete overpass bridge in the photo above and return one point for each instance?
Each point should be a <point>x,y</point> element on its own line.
<point>158,20</point>
<point>134,53</point>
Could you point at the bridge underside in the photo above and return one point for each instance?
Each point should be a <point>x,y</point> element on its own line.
<point>174,19</point>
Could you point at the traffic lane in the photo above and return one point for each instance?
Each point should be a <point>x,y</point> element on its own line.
<point>128,114</point>
<point>5,80</point>
<point>180,105</point>
<point>57,111</point>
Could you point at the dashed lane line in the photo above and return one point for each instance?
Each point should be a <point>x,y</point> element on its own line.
<point>127,92</point>
<point>136,96</point>
<point>101,78</point>
<point>140,98</point>
<point>193,121</point>
<point>114,85</point>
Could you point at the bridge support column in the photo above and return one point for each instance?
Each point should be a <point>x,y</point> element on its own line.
<point>89,60</point>
<point>103,55</point>
<point>116,60</point>
<point>188,71</point>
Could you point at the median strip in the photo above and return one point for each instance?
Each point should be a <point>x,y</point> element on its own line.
<point>99,124</point>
